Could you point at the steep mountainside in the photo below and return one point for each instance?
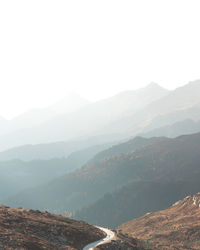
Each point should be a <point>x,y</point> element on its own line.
<point>167,160</point>
<point>177,227</point>
<point>28,229</point>
<point>125,147</point>
<point>134,200</point>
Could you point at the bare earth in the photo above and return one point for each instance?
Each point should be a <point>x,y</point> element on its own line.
<point>35,230</point>
<point>177,227</point>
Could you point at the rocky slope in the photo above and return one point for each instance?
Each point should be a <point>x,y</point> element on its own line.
<point>29,229</point>
<point>177,227</point>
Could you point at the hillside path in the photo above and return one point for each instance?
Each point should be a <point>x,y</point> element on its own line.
<point>108,238</point>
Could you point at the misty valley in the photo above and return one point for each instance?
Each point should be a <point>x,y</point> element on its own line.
<point>128,164</point>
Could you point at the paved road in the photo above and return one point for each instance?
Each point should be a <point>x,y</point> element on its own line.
<point>110,236</point>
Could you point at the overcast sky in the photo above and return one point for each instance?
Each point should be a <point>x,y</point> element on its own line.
<point>94,48</point>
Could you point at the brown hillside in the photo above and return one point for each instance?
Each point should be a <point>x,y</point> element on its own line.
<point>177,227</point>
<point>28,229</point>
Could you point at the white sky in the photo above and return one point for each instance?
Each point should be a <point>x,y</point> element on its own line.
<point>94,48</point>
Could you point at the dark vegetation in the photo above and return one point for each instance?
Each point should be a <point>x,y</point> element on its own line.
<point>157,166</point>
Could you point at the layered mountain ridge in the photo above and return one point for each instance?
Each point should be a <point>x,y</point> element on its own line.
<point>89,120</point>
<point>164,160</point>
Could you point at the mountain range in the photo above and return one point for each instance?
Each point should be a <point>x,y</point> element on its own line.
<point>145,169</point>
<point>109,162</point>
<point>151,111</point>
<point>87,121</point>
<point>18,175</point>
<point>35,117</point>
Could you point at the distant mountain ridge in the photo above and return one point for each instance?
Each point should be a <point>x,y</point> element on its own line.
<point>35,117</point>
<point>79,178</point>
<point>87,121</point>
<point>180,104</point>
<point>70,103</point>
<point>60,149</point>
<point>127,114</point>
<point>176,129</point>
<point>63,149</point>
<point>17,175</point>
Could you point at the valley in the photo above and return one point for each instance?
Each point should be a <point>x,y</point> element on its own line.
<point>146,162</point>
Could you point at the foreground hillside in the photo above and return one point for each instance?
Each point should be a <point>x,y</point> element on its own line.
<point>177,227</point>
<point>28,229</point>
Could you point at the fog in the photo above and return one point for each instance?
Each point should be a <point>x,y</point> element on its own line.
<point>95,49</point>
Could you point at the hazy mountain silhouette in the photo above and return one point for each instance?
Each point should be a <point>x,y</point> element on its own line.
<point>3,123</point>
<point>17,175</point>
<point>180,104</point>
<point>87,121</point>
<point>61,149</point>
<point>34,117</point>
<point>192,113</point>
<point>179,128</point>
<point>69,104</point>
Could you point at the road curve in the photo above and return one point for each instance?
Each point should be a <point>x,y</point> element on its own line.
<point>110,236</point>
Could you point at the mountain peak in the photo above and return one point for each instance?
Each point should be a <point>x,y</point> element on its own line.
<point>154,88</point>
<point>153,85</point>
<point>70,103</point>
<point>190,202</point>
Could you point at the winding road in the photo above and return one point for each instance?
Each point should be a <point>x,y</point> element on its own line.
<point>110,236</point>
